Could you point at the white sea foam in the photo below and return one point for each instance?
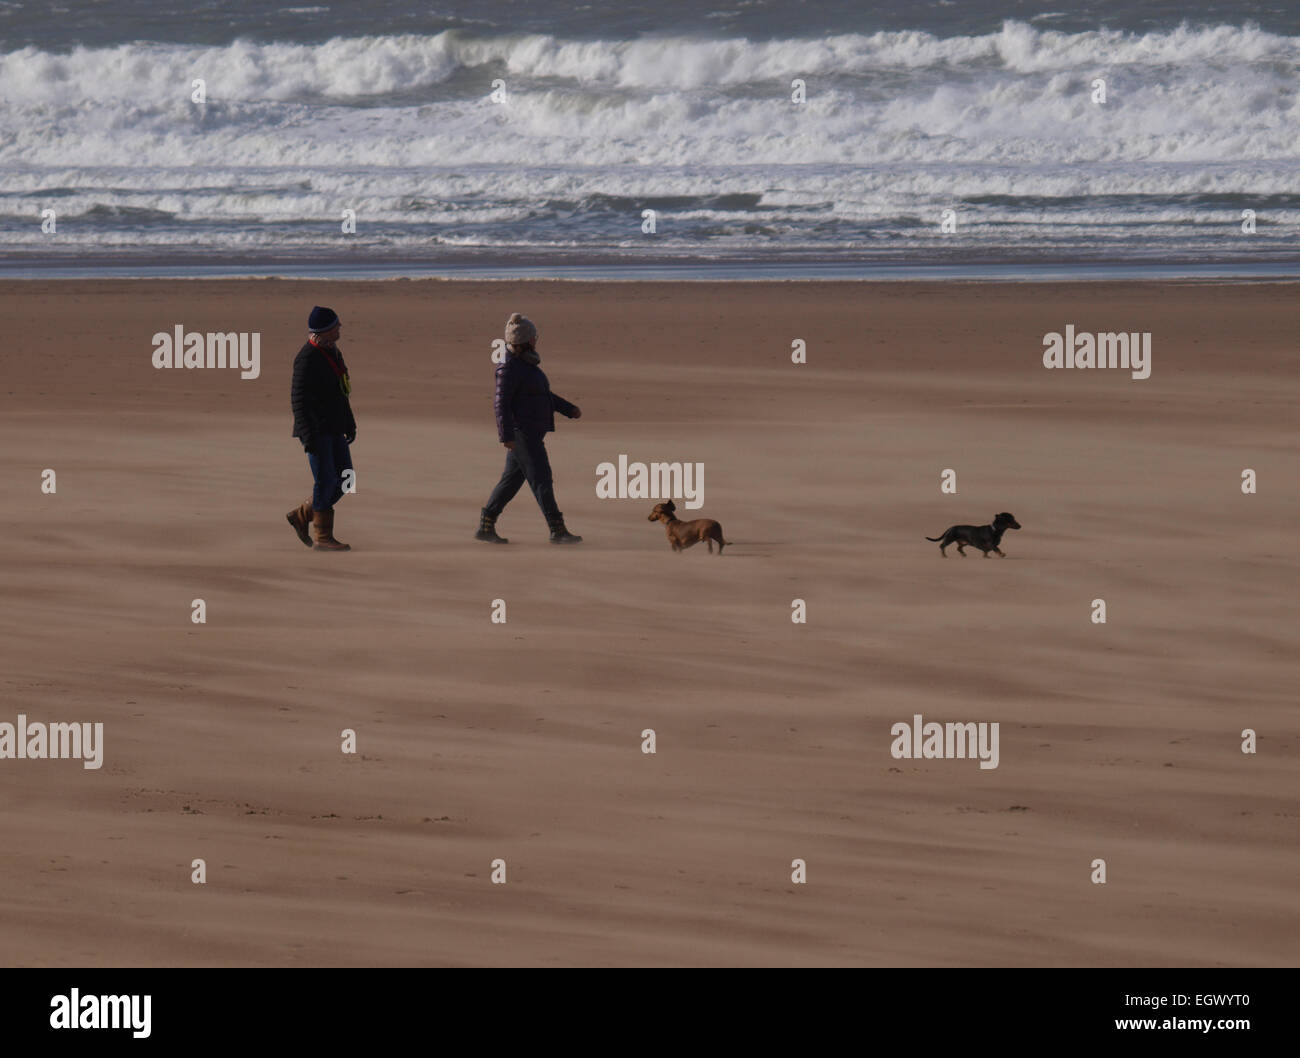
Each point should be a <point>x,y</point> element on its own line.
<point>358,68</point>
<point>896,126</point>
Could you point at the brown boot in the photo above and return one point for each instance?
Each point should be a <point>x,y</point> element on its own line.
<point>323,523</point>
<point>300,519</point>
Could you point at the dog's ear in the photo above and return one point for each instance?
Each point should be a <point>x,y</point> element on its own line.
<point>669,506</point>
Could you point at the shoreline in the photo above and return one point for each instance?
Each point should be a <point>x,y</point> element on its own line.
<point>731,272</point>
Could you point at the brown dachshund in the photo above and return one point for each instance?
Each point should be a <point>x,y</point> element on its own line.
<point>683,534</point>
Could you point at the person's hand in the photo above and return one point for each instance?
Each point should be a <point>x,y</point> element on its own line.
<point>350,437</point>
<point>510,445</point>
<point>309,447</point>
<point>577,413</point>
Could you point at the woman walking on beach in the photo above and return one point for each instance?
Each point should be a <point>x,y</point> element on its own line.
<point>525,410</point>
<point>323,422</point>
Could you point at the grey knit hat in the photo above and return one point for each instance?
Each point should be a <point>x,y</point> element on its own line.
<point>520,330</point>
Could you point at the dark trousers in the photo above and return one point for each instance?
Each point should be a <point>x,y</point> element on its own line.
<point>527,461</point>
<point>330,458</point>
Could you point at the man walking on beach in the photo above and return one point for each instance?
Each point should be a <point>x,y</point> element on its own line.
<point>323,422</point>
<point>525,410</point>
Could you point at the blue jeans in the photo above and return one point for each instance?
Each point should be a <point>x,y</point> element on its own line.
<point>330,458</point>
<point>527,461</point>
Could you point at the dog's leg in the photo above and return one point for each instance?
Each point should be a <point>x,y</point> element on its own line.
<point>710,543</point>
<point>1000,552</point>
<point>961,550</point>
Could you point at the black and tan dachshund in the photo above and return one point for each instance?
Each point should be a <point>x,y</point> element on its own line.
<point>985,537</point>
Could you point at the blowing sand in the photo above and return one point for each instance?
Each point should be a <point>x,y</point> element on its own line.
<point>522,741</point>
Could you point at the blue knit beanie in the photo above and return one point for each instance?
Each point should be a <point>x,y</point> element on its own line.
<point>321,319</point>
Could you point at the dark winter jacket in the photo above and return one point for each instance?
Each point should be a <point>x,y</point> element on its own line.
<point>524,400</point>
<point>319,404</point>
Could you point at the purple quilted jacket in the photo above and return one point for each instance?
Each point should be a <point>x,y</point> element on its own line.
<point>524,400</point>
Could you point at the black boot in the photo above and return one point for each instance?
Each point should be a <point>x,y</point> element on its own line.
<point>487,529</point>
<point>559,534</point>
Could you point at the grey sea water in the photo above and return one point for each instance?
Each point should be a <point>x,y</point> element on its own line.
<point>533,137</point>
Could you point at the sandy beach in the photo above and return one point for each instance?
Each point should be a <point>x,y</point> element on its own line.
<point>522,742</point>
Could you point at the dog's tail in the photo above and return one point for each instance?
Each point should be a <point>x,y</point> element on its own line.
<point>934,539</point>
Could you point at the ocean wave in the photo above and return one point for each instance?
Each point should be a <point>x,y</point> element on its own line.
<point>360,68</point>
<point>502,193</point>
<point>1199,123</point>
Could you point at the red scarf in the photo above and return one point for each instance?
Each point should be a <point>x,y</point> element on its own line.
<point>345,384</point>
